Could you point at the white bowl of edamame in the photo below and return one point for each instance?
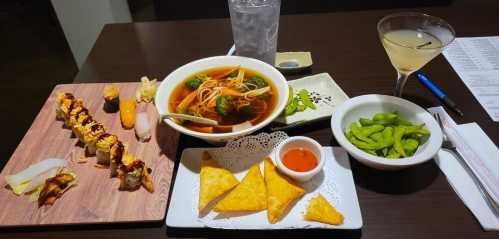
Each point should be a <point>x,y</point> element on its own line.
<point>386,132</point>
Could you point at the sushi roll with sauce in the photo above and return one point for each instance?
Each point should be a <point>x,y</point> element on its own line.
<point>112,99</point>
<point>116,154</point>
<point>135,174</point>
<point>68,108</point>
<point>79,128</point>
<point>72,120</point>
<point>104,144</point>
<point>63,99</point>
<point>95,130</point>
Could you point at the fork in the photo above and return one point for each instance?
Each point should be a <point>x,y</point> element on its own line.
<point>450,146</point>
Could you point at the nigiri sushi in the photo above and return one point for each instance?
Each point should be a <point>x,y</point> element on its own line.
<point>143,127</point>
<point>127,113</point>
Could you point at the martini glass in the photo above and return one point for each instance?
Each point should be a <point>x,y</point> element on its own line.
<point>411,40</point>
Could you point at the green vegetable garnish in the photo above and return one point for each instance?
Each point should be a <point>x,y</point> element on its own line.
<point>305,99</point>
<point>246,110</point>
<point>196,81</point>
<point>223,106</point>
<point>257,81</point>
<point>301,107</point>
<point>290,97</point>
<point>387,135</point>
<point>290,109</point>
<point>298,103</point>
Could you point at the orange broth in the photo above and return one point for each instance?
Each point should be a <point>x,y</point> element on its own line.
<point>299,160</point>
<point>181,91</point>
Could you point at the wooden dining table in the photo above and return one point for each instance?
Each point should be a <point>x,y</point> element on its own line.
<point>413,203</point>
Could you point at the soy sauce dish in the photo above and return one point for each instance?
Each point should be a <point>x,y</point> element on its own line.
<point>301,158</point>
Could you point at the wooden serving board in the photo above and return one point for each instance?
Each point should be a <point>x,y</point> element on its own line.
<point>96,199</point>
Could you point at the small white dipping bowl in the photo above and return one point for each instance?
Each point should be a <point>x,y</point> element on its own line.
<point>304,143</point>
<point>180,75</point>
<point>367,106</point>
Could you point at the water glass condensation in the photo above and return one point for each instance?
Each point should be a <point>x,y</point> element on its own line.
<point>254,27</point>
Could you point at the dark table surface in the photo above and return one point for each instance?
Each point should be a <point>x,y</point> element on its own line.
<point>413,203</point>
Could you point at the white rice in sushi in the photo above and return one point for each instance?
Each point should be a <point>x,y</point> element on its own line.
<point>143,127</point>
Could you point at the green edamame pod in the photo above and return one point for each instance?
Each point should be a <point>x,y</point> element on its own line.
<point>379,117</point>
<point>393,154</point>
<point>397,141</point>
<point>368,130</point>
<point>402,121</point>
<point>369,151</point>
<point>366,122</point>
<point>416,129</point>
<point>378,136</point>
<point>384,152</point>
<point>305,99</point>
<point>387,138</point>
<point>410,146</point>
<point>362,145</point>
<point>357,132</point>
<point>349,135</point>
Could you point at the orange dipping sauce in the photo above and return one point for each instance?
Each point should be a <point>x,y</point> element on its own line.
<point>299,160</point>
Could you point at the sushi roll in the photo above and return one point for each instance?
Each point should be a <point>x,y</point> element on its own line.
<point>127,113</point>
<point>116,154</point>
<point>135,174</point>
<point>131,175</point>
<point>112,99</point>
<point>79,128</point>
<point>72,119</point>
<point>63,99</point>
<point>67,108</point>
<point>104,144</point>
<point>91,136</point>
<point>143,127</point>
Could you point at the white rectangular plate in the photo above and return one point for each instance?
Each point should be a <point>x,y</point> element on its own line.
<point>324,88</point>
<point>335,182</point>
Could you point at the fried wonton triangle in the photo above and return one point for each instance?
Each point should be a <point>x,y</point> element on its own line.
<point>214,181</point>
<point>320,210</point>
<point>281,191</point>
<point>249,195</point>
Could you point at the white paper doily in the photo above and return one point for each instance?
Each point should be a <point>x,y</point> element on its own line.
<point>241,154</point>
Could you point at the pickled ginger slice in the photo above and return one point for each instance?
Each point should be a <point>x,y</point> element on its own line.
<point>20,181</point>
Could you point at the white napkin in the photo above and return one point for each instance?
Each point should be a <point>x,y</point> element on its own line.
<point>483,157</point>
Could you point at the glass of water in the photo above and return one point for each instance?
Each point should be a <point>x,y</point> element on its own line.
<point>254,27</point>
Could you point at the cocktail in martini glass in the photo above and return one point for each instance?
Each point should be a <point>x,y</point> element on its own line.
<point>411,40</point>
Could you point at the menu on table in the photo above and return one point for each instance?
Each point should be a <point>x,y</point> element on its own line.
<point>476,61</point>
